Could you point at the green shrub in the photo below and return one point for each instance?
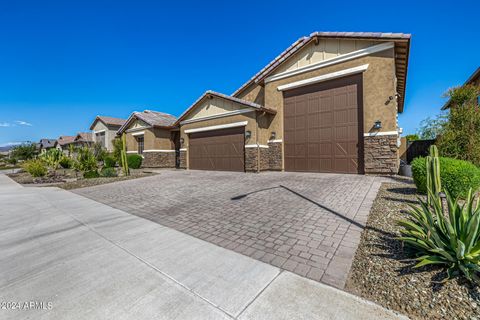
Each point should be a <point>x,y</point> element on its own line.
<point>109,162</point>
<point>91,174</point>
<point>134,161</point>
<point>66,162</point>
<point>444,231</point>
<point>457,176</point>
<point>108,172</point>
<point>85,160</point>
<point>35,167</point>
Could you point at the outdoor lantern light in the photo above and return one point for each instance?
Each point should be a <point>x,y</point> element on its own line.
<point>182,141</point>
<point>273,135</point>
<point>248,134</point>
<point>377,124</point>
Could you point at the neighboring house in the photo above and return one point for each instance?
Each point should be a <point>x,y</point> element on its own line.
<point>63,143</point>
<point>83,139</point>
<point>104,130</point>
<point>46,144</point>
<point>328,103</point>
<point>474,79</point>
<point>153,135</point>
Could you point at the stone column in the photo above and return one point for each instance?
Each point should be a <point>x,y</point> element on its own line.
<point>381,154</point>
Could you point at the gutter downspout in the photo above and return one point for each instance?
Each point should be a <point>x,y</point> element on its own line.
<point>258,145</point>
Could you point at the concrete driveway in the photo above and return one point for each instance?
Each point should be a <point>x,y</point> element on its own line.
<point>68,257</point>
<point>309,224</point>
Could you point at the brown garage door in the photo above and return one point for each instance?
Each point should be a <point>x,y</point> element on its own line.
<point>323,123</point>
<point>221,150</point>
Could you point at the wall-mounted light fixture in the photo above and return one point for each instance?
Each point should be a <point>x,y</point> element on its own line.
<point>273,135</point>
<point>377,124</point>
<point>182,141</point>
<point>248,134</point>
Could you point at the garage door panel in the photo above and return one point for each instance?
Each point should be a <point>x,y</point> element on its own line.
<point>322,127</point>
<point>221,150</point>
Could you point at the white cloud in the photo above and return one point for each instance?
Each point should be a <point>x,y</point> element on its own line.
<point>5,124</point>
<point>23,123</point>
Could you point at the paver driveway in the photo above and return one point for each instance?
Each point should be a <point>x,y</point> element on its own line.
<point>309,224</point>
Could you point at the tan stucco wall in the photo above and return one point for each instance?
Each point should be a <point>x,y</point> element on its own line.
<point>378,85</point>
<point>214,105</point>
<point>253,93</point>
<point>324,50</point>
<point>110,134</point>
<point>154,138</point>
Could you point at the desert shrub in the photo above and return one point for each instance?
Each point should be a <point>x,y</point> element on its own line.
<point>117,149</point>
<point>66,162</point>
<point>444,232</point>
<point>134,161</point>
<point>457,176</point>
<point>85,160</point>
<point>108,172</point>
<point>52,158</point>
<point>109,161</point>
<point>99,151</point>
<point>91,174</point>
<point>35,167</point>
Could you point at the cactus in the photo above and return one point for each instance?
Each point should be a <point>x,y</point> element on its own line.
<point>123,156</point>
<point>434,183</point>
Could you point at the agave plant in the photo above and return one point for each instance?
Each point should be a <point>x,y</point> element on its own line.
<point>444,232</point>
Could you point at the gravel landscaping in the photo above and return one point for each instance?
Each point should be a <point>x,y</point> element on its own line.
<point>382,271</point>
<point>68,180</point>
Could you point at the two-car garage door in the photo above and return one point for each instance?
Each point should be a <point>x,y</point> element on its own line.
<point>221,150</point>
<point>323,124</point>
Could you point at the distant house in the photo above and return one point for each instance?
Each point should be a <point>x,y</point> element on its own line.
<point>153,135</point>
<point>83,139</point>
<point>474,79</point>
<point>63,142</point>
<point>46,144</point>
<point>104,130</point>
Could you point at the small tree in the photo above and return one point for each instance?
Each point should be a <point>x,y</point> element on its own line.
<point>24,151</point>
<point>117,149</point>
<point>431,128</point>
<point>460,137</point>
<point>412,137</point>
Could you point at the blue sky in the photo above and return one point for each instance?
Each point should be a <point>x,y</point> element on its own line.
<point>62,63</point>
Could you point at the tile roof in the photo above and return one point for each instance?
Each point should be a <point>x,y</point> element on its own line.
<point>84,136</point>
<point>111,121</point>
<point>152,118</point>
<point>470,79</point>
<point>63,140</point>
<point>226,97</point>
<point>301,42</point>
<point>48,143</point>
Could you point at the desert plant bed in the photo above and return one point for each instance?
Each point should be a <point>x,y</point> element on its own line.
<point>83,183</point>
<point>383,272</point>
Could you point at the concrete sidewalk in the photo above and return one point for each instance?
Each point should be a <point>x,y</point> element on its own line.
<point>86,260</point>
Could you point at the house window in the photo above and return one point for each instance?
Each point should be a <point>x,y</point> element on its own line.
<point>100,138</point>
<point>140,144</point>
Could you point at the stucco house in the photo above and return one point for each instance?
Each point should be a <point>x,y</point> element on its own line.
<point>46,144</point>
<point>83,139</point>
<point>474,79</point>
<point>104,130</point>
<point>153,135</point>
<point>328,103</point>
<point>63,143</point>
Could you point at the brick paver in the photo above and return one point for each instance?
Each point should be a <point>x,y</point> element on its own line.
<point>306,223</point>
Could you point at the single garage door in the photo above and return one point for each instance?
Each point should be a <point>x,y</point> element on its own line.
<point>323,126</point>
<point>221,150</point>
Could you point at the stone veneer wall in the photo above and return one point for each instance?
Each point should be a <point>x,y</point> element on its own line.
<point>381,154</point>
<point>183,159</point>
<point>251,156</point>
<point>158,160</point>
<point>274,155</point>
